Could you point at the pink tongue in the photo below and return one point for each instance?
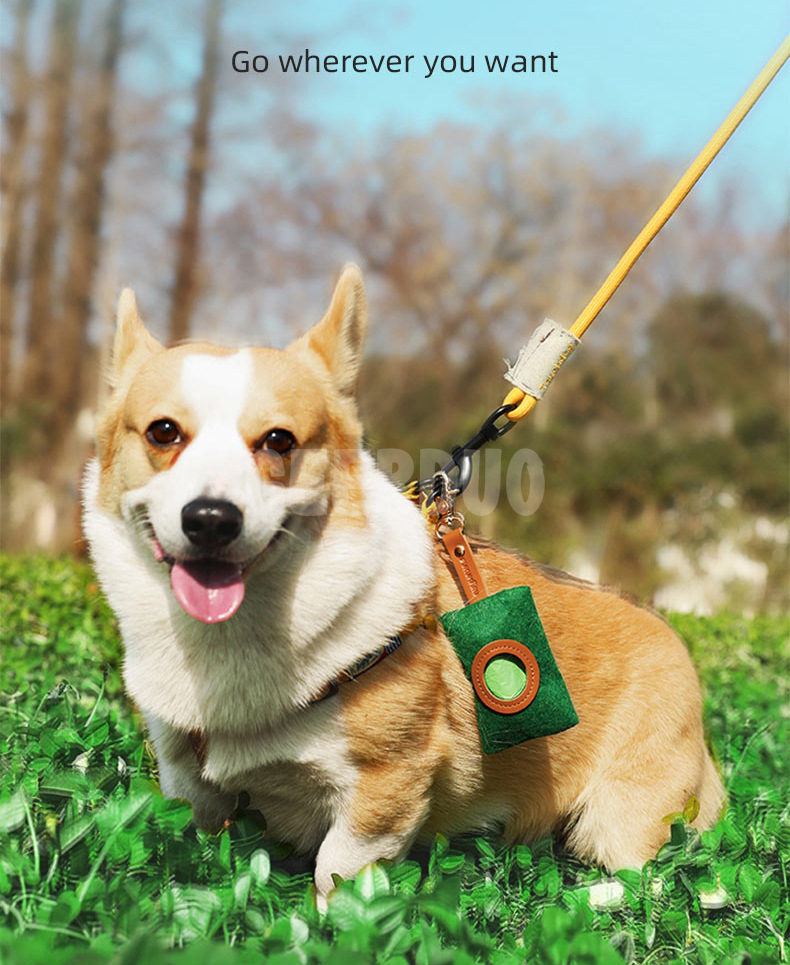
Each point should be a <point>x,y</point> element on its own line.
<point>209,590</point>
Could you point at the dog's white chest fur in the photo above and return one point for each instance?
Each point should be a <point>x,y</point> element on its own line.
<point>299,625</point>
<point>246,683</point>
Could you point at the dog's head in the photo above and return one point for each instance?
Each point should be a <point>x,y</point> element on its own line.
<point>215,457</point>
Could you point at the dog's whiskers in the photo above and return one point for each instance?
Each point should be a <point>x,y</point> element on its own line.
<point>141,521</point>
<point>289,532</point>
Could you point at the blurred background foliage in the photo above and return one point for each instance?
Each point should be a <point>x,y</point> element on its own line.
<point>664,444</point>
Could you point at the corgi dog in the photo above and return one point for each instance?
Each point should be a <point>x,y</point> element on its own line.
<point>253,553</point>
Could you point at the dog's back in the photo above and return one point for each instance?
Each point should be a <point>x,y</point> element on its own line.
<point>637,754</point>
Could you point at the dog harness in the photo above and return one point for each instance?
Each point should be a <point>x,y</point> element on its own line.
<point>198,739</point>
<point>366,663</point>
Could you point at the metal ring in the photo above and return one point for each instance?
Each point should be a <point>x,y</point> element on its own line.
<point>448,523</point>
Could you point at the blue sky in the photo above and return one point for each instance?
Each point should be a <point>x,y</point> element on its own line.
<point>665,72</point>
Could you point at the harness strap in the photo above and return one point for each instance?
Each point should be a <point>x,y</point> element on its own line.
<point>198,738</point>
<point>361,666</point>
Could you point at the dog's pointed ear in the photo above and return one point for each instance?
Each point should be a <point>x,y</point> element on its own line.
<point>340,335</point>
<point>132,342</point>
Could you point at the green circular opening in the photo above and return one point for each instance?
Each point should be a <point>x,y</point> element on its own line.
<point>505,676</point>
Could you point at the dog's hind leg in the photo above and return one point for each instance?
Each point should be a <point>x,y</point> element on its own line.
<point>619,822</point>
<point>712,796</point>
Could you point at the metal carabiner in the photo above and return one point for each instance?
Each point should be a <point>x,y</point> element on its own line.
<point>463,461</point>
<point>463,456</point>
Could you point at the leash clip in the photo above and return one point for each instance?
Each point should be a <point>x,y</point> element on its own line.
<point>443,499</point>
<point>463,456</point>
<point>443,491</point>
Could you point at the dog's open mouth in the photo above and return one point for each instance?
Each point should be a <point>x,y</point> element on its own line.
<point>210,590</point>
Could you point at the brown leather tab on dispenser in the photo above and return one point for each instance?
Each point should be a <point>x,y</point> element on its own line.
<point>463,561</point>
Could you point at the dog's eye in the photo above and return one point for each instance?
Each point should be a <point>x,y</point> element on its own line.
<point>280,441</point>
<point>163,432</point>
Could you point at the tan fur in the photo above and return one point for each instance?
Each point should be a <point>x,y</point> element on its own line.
<point>413,728</point>
<point>397,754</point>
<point>147,389</point>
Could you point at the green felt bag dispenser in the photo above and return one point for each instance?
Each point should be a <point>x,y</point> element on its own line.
<point>519,690</point>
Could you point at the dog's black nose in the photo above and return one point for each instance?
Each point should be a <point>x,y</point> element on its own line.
<point>211,523</point>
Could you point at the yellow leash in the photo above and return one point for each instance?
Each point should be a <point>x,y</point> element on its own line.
<point>526,403</point>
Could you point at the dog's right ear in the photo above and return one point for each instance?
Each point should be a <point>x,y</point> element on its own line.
<point>133,343</point>
<point>339,336</point>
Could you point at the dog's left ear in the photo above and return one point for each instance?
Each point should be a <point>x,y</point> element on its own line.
<point>340,335</point>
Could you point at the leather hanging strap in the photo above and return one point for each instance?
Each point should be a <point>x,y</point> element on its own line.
<point>463,562</point>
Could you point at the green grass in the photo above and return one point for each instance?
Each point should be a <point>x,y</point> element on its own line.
<point>95,866</point>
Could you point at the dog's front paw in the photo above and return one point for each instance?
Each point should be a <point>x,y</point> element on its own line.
<point>321,903</point>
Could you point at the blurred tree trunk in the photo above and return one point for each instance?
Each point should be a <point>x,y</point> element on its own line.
<point>50,176</point>
<point>184,288</point>
<point>12,189</point>
<point>84,231</point>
